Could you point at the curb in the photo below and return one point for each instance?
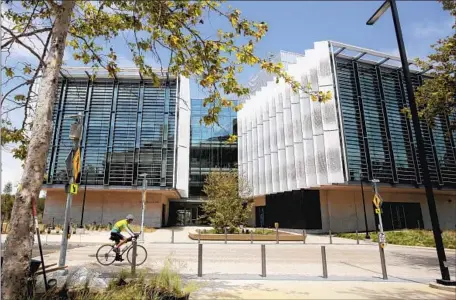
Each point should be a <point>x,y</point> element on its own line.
<point>442,287</point>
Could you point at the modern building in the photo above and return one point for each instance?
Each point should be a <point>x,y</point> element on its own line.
<point>310,164</point>
<point>132,129</point>
<point>209,151</point>
<point>306,159</point>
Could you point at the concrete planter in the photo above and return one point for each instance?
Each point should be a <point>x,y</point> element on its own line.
<point>246,237</point>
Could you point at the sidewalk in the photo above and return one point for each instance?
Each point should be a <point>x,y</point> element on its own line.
<point>269,289</point>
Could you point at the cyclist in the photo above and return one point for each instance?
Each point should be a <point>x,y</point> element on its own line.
<point>116,235</point>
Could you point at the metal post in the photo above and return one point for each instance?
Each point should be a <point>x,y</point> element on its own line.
<point>323,261</point>
<point>200,260</point>
<point>277,235</point>
<point>251,237</point>
<point>304,236</point>
<point>421,150</point>
<point>330,237</point>
<point>66,224</point>
<point>143,202</point>
<point>357,237</point>
<point>133,259</point>
<point>382,261</point>
<point>226,237</point>
<point>263,260</point>
<point>172,236</point>
<point>364,207</point>
<point>84,200</point>
<point>199,236</point>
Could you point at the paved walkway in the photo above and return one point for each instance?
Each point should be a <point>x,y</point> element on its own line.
<point>294,270</point>
<point>242,260</point>
<point>316,290</point>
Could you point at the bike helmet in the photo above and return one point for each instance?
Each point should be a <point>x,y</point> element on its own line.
<point>129,217</point>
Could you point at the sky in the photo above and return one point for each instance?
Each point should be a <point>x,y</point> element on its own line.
<point>295,25</point>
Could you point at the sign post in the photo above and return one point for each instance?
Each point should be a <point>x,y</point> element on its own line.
<point>73,164</point>
<point>381,235</point>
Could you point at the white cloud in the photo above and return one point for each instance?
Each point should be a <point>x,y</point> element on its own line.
<point>433,29</point>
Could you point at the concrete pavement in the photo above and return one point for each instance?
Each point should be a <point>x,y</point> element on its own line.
<point>230,289</point>
<point>241,260</point>
<point>294,270</point>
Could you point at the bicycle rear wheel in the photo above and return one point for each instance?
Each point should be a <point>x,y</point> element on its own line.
<point>141,255</point>
<point>106,255</point>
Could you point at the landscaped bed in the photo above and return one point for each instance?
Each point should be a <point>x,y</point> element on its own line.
<point>411,237</point>
<point>257,235</point>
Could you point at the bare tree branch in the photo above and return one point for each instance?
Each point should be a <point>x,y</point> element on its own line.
<point>24,45</point>
<point>27,34</point>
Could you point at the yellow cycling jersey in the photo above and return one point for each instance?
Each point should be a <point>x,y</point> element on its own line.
<point>120,226</point>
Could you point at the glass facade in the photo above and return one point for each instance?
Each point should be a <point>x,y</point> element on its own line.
<point>209,150</point>
<point>379,137</point>
<point>129,129</point>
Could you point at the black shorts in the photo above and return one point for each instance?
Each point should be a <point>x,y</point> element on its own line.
<point>117,237</point>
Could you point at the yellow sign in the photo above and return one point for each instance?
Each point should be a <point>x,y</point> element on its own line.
<point>377,201</point>
<point>377,210</point>
<point>73,188</point>
<point>76,165</point>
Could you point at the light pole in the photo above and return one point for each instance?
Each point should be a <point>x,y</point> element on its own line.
<point>419,139</point>
<point>75,135</point>
<point>143,202</point>
<point>364,205</point>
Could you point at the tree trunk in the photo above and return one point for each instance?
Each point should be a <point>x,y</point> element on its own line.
<point>19,244</point>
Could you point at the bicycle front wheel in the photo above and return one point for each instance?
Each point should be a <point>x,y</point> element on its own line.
<point>106,255</point>
<point>141,255</point>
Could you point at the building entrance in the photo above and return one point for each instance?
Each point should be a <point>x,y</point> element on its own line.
<point>185,214</point>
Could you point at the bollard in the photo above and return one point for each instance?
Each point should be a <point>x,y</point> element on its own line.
<point>304,235</point>
<point>277,235</point>
<point>263,260</point>
<point>200,260</point>
<point>251,237</point>
<point>323,261</point>
<point>172,236</point>
<point>226,237</point>
<point>357,237</point>
<point>330,237</point>
<point>133,259</point>
<point>382,261</point>
<point>199,236</point>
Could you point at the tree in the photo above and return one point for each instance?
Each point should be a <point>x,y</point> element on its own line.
<point>150,29</point>
<point>437,95</point>
<point>229,203</point>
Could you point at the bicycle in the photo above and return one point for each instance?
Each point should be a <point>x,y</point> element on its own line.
<point>106,254</point>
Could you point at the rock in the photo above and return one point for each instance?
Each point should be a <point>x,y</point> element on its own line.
<point>75,278</point>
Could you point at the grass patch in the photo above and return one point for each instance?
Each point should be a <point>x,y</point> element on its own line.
<point>167,284</point>
<point>410,237</point>
<point>239,231</point>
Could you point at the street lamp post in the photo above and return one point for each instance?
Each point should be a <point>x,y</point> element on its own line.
<point>364,205</point>
<point>419,139</point>
<point>143,206</point>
